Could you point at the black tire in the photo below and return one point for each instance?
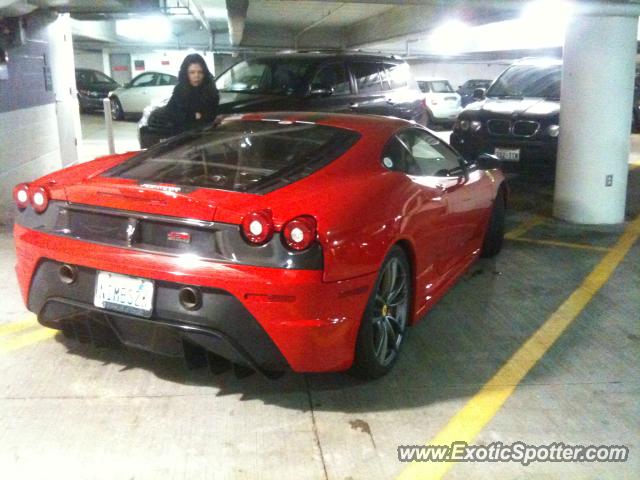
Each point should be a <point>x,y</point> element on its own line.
<point>117,113</point>
<point>384,323</point>
<point>494,236</point>
<point>429,122</point>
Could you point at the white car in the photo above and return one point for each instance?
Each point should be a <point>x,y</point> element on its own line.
<point>443,103</point>
<point>145,89</point>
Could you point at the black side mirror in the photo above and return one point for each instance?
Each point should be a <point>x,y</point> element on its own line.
<point>486,161</point>
<point>479,94</point>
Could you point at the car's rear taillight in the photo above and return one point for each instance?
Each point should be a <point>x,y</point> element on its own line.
<point>299,233</point>
<point>21,195</point>
<point>39,198</point>
<point>257,227</point>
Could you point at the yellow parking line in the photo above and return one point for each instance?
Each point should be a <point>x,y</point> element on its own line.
<point>25,339</point>
<point>13,327</point>
<point>483,406</point>
<point>557,243</point>
<point>525,227</point>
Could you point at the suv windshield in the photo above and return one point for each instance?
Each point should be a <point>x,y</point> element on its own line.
<point>528,81</point>
<point>277,76</point>
<point>246,156</point>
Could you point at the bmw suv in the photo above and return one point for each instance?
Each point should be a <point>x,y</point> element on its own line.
<point>330,82</point>
<point>517,119</point>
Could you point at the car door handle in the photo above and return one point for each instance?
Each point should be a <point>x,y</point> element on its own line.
<point>353,105</point>
<point>390,101</point>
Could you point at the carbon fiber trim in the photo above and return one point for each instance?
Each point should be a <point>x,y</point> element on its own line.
<point>213,241</point>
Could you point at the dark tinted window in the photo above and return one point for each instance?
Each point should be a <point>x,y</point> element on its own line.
<point>397,75</point>
<point>333,77</point>
<point>367,76</point>
<point>429,156</point>
<point>278,76</point>
<point>102,78</point>
<point>252,156</point>
<point>395,156</point>
<point>528,81</point>
<point>84,76</point>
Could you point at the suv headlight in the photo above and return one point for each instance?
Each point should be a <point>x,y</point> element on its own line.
<point>553,130</point>
<point>475,125</point>
<point>462,125</point>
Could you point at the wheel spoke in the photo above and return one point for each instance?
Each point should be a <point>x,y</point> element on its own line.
<point>396,296</point>
<point>392,336</point>
<point>381,347</point>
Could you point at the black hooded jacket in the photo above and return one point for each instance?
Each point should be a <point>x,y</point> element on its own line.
<point>187,100</point>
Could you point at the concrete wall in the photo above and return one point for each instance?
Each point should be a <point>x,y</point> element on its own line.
<point>91,59</point>
<point>457,73</point>
<point>29,134</point>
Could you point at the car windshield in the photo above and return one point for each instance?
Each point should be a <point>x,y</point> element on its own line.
<point>245,156</point>
<point>277,76</point>
<point>528,81</point>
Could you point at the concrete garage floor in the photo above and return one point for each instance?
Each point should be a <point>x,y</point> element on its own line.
<point>72,411</point>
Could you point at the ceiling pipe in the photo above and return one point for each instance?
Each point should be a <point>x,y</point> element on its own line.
<point>314,25</point>
<point>237,16</point>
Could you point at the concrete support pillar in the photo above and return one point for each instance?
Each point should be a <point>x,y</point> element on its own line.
<point>595,118</point>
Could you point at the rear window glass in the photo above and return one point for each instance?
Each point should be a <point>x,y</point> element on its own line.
<point>245,156</point>
<point>441,87</point>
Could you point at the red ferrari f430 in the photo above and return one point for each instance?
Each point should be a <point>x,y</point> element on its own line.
<point>279,241</point>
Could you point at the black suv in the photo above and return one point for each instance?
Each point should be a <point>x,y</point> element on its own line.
<point>332,82</point>
<point>517,119</point>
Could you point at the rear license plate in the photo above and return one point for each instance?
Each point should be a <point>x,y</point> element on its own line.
<point>508,154</point>
<point>125,294</point>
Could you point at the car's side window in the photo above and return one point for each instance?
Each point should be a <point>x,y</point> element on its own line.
<point>367,75</point>
<point>397,74</point>
<point>396,157</point>
<point>167,80</point>
<point>144,80</point>
<point>430,155</point>
<point>332,77</point>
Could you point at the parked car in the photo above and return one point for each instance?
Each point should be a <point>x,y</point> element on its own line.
<point>334,82</point>
<point>146,88</point>
<point>443,104</point>
<point>93,87</point>
<point>303,241</point>
<point>517,119</point>
<point>467,88</point>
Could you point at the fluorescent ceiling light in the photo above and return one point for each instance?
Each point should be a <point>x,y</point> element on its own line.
<point>449,38</point>
<point>150,29</point>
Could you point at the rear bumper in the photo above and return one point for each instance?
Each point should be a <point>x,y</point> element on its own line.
<point>267,318</point>
<point>445,114</point>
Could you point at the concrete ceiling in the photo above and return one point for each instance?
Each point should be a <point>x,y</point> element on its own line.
<point>260,25</point>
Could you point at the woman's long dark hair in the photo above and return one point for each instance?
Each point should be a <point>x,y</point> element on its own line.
<point>183,76</point>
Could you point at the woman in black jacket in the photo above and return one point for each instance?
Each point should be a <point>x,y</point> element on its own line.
<point>194,102</point>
